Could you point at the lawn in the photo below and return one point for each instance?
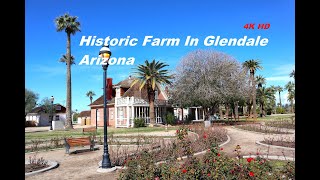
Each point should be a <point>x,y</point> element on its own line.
<point>78,132</point>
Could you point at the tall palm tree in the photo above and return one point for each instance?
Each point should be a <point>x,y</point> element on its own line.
<point>253,65</point>
<point>279,90</point>
<point>273,89</point>
<point>292,74</point>
<point>64,59</point>
<point>90,94</point>
<point>260,80</point>
<point>70,25</point>
<point>151,74</point>
<point>290,87</point>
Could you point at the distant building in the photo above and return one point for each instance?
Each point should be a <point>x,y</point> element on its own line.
<point>40,117</point>
<point>84,118</point>
<point>128,103</point>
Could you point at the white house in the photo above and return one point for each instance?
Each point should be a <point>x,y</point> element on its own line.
<point>42,118</point>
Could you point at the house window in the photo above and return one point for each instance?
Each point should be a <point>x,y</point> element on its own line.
<point>58,108</point>
<point>98,115</point>
<point>57,117</point>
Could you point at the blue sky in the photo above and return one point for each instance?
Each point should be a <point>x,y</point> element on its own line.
<point>158,18</point>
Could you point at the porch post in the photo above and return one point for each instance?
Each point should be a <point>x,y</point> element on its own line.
<point>196,112</point>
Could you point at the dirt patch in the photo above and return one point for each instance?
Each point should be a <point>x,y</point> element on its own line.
<point>34,167</point>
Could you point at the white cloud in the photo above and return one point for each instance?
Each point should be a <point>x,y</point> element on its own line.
<point>280,78</point>
<point>285,69</point>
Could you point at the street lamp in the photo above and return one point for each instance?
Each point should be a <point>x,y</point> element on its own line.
<point>51,100</point>
<point>105,54</point>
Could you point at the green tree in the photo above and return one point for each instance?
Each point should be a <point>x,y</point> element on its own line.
<point>151,74</point>
<point>292,74</point>
<point>30,100</point>
<point>279,90</point>
<point>260,80</point>
<point>290,87</point>
<point>90,94</point>
<point>70,25</point>
<point>63,59</point>
<point>253,65</point>
<point>264,95</point>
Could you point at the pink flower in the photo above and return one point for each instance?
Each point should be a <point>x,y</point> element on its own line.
<point>157,178</point>
<point>221,149</point>
<point>208,174</point>
<point>208,149</point>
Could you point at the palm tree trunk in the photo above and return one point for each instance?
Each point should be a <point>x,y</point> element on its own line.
<point>68,124</point>
<point>254,104</point>
<point>261,114</point>
<point>280,100</point>
<point>291,102</point>
<point>90,99</point>
<point>151,106</point>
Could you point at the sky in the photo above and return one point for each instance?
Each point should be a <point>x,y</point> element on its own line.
<point>44,46</point>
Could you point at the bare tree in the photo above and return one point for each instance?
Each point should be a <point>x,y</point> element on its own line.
<point>209,78</point>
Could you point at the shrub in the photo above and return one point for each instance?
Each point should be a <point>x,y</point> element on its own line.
<point>139,122</point>
<point>170,119</point>
<point>280,110</point>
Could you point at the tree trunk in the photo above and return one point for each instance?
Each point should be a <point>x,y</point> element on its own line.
<point>151,106</point>
<point>227,111</point>
<point>291,102</point>
<point>280,100</point>
<point>220,112</point>
<point>68,124</point>
<point>254,104</point>
<point>236,113</point>
<point>90,99</point>
<point>261,114</point>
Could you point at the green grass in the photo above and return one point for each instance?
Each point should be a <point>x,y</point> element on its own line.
<point>277,164</point>
<point>78,132</point>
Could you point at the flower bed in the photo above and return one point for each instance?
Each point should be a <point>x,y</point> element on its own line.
<point>263,129</point>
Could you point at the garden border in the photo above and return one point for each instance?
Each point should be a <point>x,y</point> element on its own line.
<point>52,165</point>
<point>281,147</point>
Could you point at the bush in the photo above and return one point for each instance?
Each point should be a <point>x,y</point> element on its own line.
<point>30,123</point>
<point>280,110</point>
<point>139,122</point>
<point>170,119</point>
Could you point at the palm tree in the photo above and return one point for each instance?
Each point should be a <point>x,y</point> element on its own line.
<point>279,89</point>
<point>64,59</point>
<point>90,94</point>
<point>253,65</point>
<point>151,74</point>
<point>264,95</point>
<point>290,87</point>
<point>260,80</point>
<point>292,74</point>
<point>273,89</point>
<point>69,25</point>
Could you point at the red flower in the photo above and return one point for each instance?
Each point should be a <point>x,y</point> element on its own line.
<point>249,159</point>
<point>184,170</point>
<point>257,153</point>
<point>221,149</point>
<point>251,174</point>
<point>218,154</point>
<point>232,171</point>
<point>208,174</point>
<point>177,131</point>
<point>204,136</point>
<point>208,149</point>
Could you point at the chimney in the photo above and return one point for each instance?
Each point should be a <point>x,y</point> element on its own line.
<point>109,88</point>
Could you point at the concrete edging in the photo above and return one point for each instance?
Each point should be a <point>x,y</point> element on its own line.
<point>274,146</point>
<point>282,158</point>
<point>52,165</point>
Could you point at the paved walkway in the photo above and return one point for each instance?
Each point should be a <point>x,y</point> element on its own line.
<point>247,141</point>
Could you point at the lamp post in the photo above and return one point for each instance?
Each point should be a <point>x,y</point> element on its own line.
<point>51,100</point>
<point>105,54</point>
